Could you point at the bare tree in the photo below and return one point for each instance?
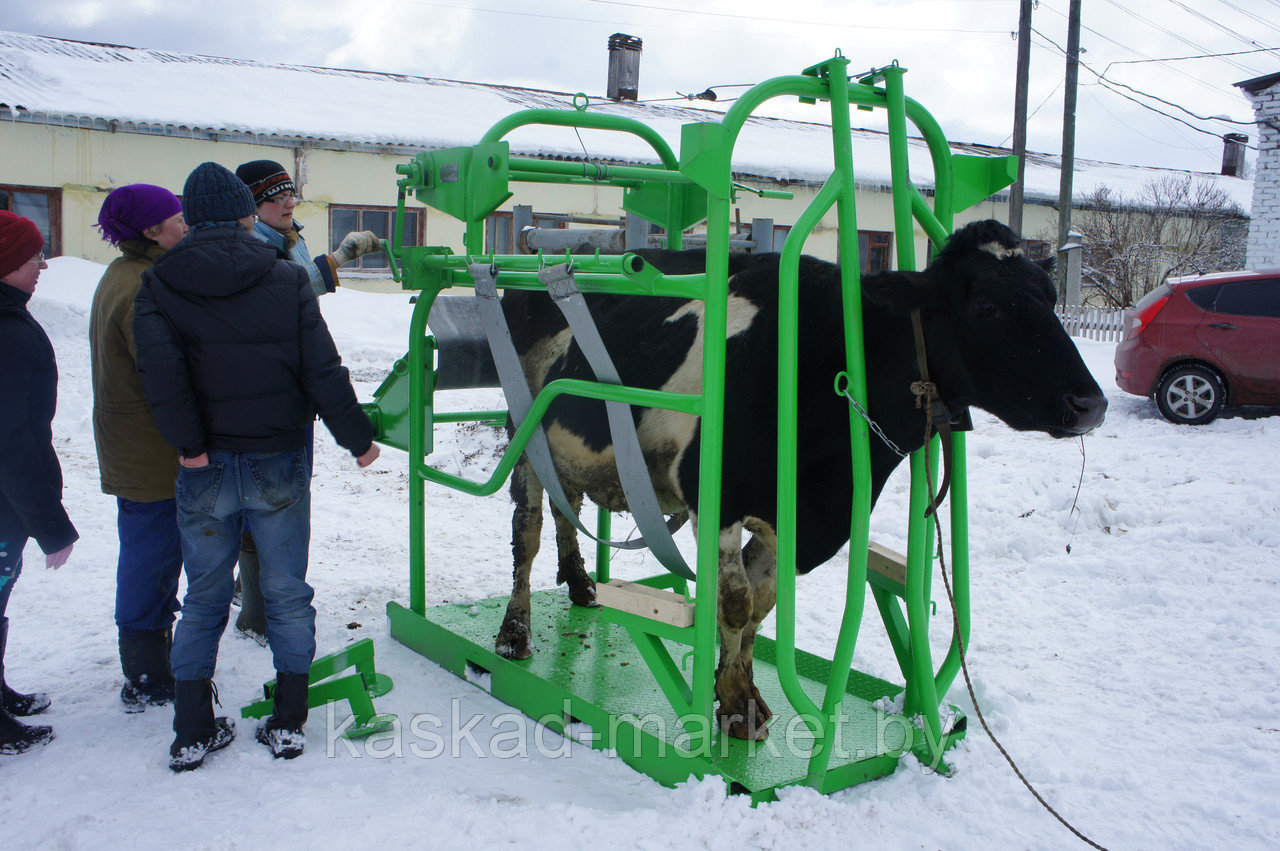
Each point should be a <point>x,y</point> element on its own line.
<point>1176,225</point>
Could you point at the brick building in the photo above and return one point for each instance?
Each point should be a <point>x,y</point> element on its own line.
<point>1264,229</point>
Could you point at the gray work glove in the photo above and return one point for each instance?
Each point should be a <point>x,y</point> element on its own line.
<point>356,245</point>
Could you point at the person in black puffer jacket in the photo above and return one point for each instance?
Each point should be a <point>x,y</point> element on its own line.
<point>235,361</point>
<point>30,476</point>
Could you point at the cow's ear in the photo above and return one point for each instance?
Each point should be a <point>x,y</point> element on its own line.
<point>1048,264</point>
<point>898,292</point>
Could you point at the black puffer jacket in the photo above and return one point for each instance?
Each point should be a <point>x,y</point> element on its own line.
<point>234,353</point>
<point>30,476</point>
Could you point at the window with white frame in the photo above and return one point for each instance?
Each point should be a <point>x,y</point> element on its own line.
<point>345,219</point>
<point>42,206</point>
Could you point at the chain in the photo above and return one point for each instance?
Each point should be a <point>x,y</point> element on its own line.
<point>862,412</point>
<point>964,662</point>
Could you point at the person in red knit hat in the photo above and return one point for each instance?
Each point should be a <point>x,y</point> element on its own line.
<point>30,476</point>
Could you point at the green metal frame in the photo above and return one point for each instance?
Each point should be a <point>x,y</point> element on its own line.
<point>470,183</point>
<point>324,686</point>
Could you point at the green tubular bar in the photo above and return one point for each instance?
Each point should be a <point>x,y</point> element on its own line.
<point>572,386</point>
<point>705,166</point>
<point>788,440</point>
<point>583,119</point>
<point>595,172</point>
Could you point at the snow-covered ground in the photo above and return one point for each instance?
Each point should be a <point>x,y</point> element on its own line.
<point>1135,678</point>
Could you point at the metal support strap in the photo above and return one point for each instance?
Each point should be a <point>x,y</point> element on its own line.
<point>632,470</point>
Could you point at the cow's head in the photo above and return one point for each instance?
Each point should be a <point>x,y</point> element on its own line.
<point>993,339</point>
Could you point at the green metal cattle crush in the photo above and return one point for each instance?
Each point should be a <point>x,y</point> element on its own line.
<point>643,682</point>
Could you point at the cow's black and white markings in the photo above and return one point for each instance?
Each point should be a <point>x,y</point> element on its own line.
<point>993,342</point>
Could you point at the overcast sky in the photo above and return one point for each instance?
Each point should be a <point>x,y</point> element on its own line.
<point>960,54</point>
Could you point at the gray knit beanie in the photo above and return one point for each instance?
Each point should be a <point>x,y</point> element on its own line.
<point>213,194</point>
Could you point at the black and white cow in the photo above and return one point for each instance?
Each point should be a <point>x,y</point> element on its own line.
<point>993,342</point>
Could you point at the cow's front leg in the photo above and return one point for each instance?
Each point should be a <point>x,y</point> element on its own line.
<point>740,713</point>
<point>526,536</point>
<point>571,569</point>
<point>759,559</point>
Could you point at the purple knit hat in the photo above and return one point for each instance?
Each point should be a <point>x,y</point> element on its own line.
<point>130,210</point>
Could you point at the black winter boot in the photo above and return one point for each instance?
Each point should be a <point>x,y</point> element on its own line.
<point>252,620</point>
<point>282,732</point>
<point>198,732</point>
<point>16,737</point>
<point>16,703</point>
<point>144,658</point>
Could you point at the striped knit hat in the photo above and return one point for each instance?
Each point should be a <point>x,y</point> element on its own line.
<point>265,179</point>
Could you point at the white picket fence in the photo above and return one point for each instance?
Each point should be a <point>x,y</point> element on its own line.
<point>1092,323</point>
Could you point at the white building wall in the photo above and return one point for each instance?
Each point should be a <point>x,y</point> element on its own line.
<point>1263,249</point>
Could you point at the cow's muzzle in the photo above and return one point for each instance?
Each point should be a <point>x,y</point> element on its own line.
<point>1084,413</point>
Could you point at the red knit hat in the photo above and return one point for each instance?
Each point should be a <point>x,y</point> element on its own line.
<point>20,240</point>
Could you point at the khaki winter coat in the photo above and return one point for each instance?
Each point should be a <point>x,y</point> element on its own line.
<point>134,462</point>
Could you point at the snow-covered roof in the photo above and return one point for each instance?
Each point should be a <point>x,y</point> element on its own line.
<point>60,81</point>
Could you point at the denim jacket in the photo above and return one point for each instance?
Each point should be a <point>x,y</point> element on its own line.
<point>320,270</point>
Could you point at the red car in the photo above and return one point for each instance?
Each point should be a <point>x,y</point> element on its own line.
<point>1198,343</point>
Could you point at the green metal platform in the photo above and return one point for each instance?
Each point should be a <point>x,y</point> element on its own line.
<point>586,668</point>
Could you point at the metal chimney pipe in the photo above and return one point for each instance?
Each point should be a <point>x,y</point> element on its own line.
<point>624,66</point>
<point>1233,154</point>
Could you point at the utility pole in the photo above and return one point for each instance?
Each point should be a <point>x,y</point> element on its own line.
<point>1020,115</point>
<point>1068,137</point>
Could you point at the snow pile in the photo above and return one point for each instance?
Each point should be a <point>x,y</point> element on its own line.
<point>1134,679</point>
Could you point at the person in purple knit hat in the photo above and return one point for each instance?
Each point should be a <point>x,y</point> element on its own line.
<point>135,464</point>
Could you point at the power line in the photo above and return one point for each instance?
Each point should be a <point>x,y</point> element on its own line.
<point>826,24</point>
<point>1132,129</point>
<point>1195,56</point>
<point>1251,15</point>
<point>581,20</point>
<point>1107,82</point>
<point>1211,22</point>
<point>1197,80</point>
<point>1144,19</point>
<point>1033,112</point>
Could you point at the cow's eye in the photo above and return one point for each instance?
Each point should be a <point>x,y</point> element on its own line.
<point>987,307</point>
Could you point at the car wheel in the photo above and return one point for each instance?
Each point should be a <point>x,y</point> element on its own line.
<point>1190,395</point>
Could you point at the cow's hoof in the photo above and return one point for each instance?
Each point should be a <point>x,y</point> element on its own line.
<point>753,729</point>
<point>584,595</point>
<point>763,708</point>
<point>513,641</point>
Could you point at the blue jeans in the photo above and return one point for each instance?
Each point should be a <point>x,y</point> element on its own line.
<point>149,566</point>
<point>272,493</point>
<point>10,564</point>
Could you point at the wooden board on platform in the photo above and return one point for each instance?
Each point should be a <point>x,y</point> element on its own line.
<point>654,603</point>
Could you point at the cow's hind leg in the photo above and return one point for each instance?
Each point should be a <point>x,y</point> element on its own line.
<point>526,535</point>
<point>740,712</point>
<point>759,559</point>
<point>572,569</point>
